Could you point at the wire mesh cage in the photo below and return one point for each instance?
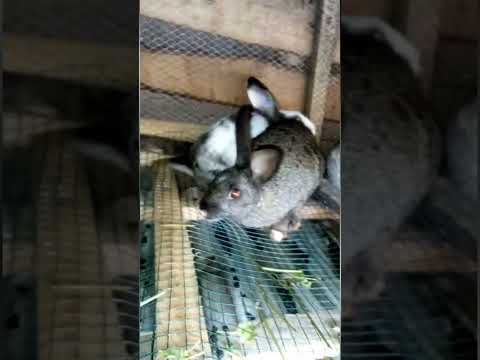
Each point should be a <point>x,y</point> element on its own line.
<point>218,290</point>
<point>419,316</point>
<point>221,291</point>
<point>81,304</point>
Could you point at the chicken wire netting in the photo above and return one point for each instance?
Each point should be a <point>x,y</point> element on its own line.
<point>62,294</point>
<point>419,316</point>
<point>190,74</point>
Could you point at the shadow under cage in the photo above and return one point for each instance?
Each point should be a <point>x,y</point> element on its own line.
<point>219,290</point>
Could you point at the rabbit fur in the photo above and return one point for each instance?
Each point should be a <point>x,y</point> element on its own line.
<point>275,173</point>
<point>215,150</point>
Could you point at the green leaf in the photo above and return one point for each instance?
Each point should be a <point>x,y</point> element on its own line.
<point>247,331</point>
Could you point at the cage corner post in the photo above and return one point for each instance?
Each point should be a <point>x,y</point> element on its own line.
<point>323,52</point>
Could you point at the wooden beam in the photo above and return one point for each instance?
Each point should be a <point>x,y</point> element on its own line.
<point>85,62</point>
<point>179,315</point>
<point>287,23</point>
<point>171,107</point>
<point>326,40</point>
<point>177,108</point>
<point>459,19</point>
<point>222,80</point>
<point>171,130</point>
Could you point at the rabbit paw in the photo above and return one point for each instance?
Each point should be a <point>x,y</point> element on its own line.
<point>277,235</point>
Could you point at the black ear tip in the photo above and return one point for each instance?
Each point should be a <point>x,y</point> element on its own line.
<point>245,110</point>
<point>253,81</point>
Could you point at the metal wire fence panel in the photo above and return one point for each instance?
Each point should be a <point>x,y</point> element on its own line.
<point>419,317</point>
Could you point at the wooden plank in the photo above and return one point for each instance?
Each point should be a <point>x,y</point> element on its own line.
<point>333,102</point>
<point>248,21</point>
<point>164,106</point>
<point>459,19</point>
<point>381,8</point>
<point>180,321</point>
<point>326,40</point>
<point>71,60</point>
<point>171,130</point>
<point>220,80</point>
<point>177,108</point>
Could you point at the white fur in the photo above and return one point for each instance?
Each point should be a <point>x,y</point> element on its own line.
<point>276,235</point>
<point>302,118</point>
<point>258,125</point>
<point>221,142</point>
<point>398,42</point>
<point>103,152</point>
<point>261,99</point>
<point>182,169</point>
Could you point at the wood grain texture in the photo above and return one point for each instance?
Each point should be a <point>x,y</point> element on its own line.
<point>326,40</point>
<point>179,314</point>
<point>71,60</point>
<point>219,80</point>
<point>459,18</point>
<point>287,23</point>
<point>222,81</point>
<point>171,130</point>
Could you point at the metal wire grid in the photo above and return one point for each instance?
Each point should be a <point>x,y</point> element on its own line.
<point>76,285</point>
<point>233,289</point>
<point>415,319</point>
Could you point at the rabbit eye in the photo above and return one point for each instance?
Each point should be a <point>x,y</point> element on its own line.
<point>234,194</point>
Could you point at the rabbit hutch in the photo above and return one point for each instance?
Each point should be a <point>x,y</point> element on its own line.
<point>423,312</point>
<point>219,290</point>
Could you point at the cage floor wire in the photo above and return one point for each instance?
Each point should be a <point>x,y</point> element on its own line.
<point>420,316</point>
<point>221,291</point>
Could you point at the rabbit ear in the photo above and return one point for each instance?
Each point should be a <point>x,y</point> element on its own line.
<point>242,134</point>
<point>260,97</point>
<point>182,164</point>
<point>264,163</point>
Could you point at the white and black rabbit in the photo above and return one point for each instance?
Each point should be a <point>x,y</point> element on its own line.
<point>274,174</point>
<point>389,146</point>
<point>215,150</point>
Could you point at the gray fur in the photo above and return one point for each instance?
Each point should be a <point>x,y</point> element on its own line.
<point>333,167</point>
<point>389,154</point>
